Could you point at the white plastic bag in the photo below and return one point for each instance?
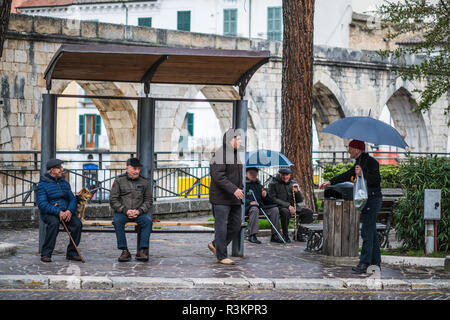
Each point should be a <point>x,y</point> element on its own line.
<point>360,192</point>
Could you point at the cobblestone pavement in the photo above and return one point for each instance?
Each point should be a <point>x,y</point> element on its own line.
<point>175,255</point>
<point>217,294</point>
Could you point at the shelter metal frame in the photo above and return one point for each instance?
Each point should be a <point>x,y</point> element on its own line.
<point>170,66</point>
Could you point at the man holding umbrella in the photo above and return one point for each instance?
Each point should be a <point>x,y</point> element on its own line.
<point>368,167</point>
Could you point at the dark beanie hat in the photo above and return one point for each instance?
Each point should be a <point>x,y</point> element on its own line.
<point>134,162</point>
<point>285,171</point>
<point>357,144</point>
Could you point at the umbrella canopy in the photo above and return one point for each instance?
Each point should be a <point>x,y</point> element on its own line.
<point>266,158</point>
<point>366,129</point>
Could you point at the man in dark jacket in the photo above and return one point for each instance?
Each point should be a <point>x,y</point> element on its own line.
<point>226,193</point>
<point>56,203</point>
<point>131,199</point>
<point>368,167</point>
<point>282,190</point>
<point>263,201</point>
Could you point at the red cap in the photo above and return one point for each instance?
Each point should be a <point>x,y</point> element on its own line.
<point>357,144</point>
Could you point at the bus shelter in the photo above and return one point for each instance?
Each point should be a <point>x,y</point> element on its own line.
<point>147,65</point>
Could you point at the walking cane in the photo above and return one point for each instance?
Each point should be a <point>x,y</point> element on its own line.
<point>73,242</point>
<point>295,214</point>
<point>279,235</point>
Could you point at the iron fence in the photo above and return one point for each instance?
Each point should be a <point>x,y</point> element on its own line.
<point>175,175</point>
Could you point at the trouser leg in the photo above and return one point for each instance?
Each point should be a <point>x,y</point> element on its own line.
<point>274,216</point>
<point>75,227</point>
<point>119,222</point>
<point>145,222</point>
<point>253,217</point>
<point>285,216</point>
<point>370,252</point>
<point>52,224</point>
<point>226,227</point>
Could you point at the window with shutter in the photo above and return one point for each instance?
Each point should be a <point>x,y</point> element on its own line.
<point>184,20</point>
<point>81,129</point>
<point>145,22</point>
<point>230,22</point>
<point>274,23</point>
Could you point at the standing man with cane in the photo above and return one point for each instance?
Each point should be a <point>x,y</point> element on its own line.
<point>226,193</point>
<point>56,204</point>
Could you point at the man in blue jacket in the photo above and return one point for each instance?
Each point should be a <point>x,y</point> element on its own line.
<point>56,203</point>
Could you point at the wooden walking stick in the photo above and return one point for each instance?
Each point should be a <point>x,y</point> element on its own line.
<point>295,214</point>
<point>73,242</point>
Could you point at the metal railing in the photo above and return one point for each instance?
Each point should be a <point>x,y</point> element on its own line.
<point>175,175</point>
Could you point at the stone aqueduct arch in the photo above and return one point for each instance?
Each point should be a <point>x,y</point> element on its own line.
<point>340,89</point>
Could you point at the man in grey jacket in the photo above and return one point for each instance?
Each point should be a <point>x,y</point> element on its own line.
<point>131,199</point>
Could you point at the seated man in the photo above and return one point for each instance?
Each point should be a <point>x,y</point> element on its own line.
<point>131,199</point>
<point>281,191</point>
<point>56,203</point>
<point>252,209</point>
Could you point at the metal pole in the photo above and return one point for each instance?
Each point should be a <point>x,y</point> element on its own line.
<point>145,140</point>
<point>48,144</point>
<point>240,111</point>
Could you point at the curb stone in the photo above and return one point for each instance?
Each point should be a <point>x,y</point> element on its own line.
<point>92,282</point>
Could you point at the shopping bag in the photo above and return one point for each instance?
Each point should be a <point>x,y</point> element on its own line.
<point>360,192</point>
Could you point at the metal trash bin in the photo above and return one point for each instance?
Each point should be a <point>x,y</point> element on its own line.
<point>340,221</point>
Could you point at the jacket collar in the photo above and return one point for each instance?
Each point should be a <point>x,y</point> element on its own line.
<point>48,178</point>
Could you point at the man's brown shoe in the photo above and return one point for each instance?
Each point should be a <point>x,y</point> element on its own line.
<point>142,255</point>
<point>227,261</point>
<point>125,256</point>
<point>212,248</point>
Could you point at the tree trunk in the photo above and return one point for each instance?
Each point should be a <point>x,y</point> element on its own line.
<point>5,11</point>
<point>296,123</point>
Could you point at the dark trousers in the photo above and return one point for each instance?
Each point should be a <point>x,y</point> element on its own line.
<point>285,216</point>
<point>143,220</point>
<point>370,252</point>
<point>227,226</point>
<point>52,222</point>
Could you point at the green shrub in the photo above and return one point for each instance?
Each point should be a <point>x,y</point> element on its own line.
<point>388,173</point>
<point>416,175</point>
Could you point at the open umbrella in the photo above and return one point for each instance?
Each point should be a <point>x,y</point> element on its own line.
<point>266,158</point>
<point>366,129</point>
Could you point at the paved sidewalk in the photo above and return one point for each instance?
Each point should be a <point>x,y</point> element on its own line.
<point>184,261</point>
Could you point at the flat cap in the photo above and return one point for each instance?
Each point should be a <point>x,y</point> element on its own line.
<point>284,171</point>
<point>51,163</point>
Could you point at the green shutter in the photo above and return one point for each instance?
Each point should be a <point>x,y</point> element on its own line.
<point>274,23</point>
<point>145,22</point>
<point>190,123</point>
<point>98,124</point>
<point>230,22</point>
<point>81,124</point>
<point>184,20</point>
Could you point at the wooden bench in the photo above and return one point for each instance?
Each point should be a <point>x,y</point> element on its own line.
<point>107,226</point>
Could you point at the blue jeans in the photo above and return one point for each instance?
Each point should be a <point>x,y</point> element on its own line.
<point>143,220</point>
<point>370,252</point>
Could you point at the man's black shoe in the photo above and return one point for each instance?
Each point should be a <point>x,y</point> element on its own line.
<point>46,259</point>
<point>142,255</point>
<point>74,258</point>
<point>276,238</point>
<point>286,238</point>
<point>253,239</point>
<point>360,268</point>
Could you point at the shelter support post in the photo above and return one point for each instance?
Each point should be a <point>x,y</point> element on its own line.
<point>145,140</point>
<point>240,112</point>
<point>48,144</point>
